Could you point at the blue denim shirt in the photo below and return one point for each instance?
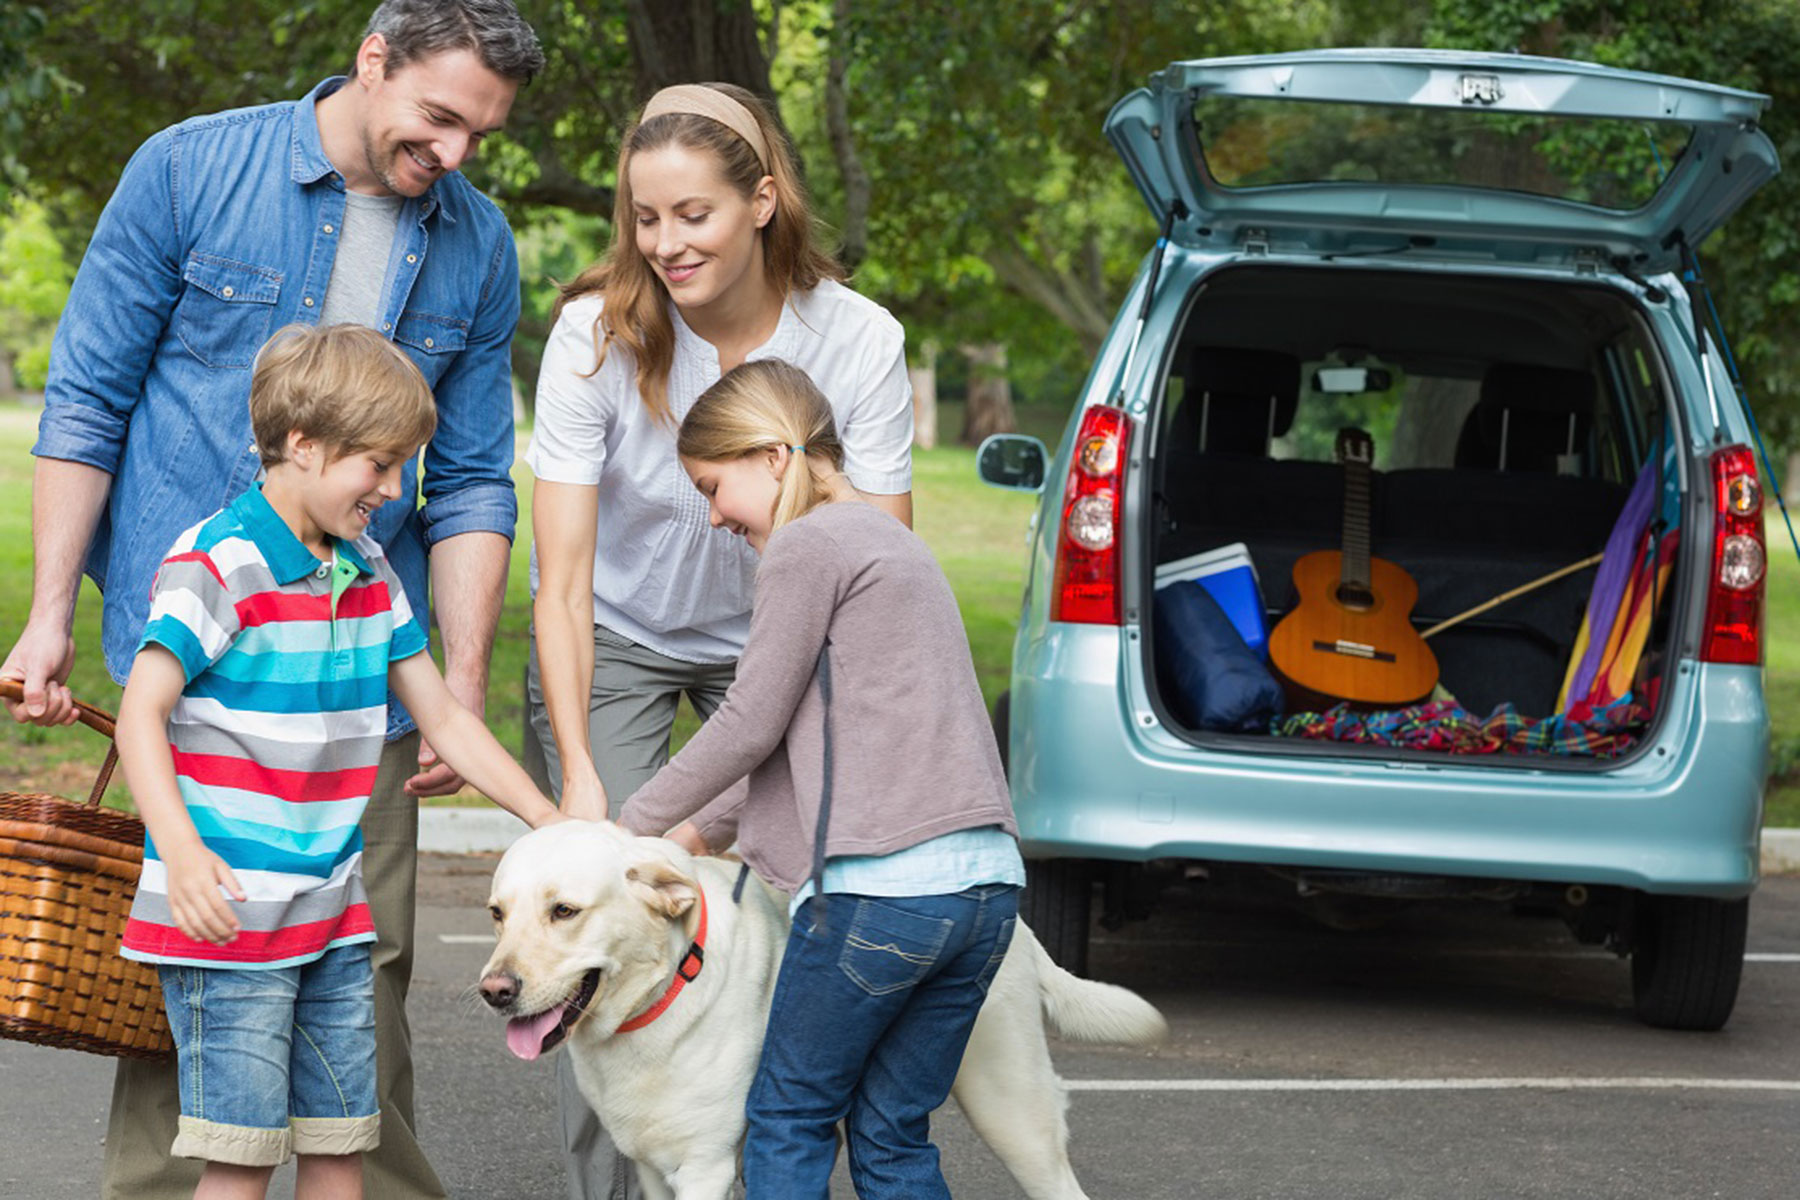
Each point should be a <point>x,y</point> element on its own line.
<point>223,229</point>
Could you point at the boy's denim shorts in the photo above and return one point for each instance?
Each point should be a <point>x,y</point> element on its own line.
<point>275,1062</point>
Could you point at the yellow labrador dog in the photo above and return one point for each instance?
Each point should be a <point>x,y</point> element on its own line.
<point>639,958</point>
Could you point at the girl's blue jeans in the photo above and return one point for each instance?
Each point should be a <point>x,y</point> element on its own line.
<point>872,1011</point>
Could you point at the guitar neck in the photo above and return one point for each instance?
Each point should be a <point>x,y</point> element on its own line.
<point>1356,525</point>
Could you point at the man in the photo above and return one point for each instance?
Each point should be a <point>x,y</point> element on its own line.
<point>345,205</point>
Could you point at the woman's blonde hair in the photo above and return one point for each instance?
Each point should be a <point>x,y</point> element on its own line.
<point>636,316</point>
<point>762,404</point>
<point>345,386</point>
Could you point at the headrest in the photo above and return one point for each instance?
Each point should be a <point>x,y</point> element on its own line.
<point>1526,417</point>
<point>1235,400</point>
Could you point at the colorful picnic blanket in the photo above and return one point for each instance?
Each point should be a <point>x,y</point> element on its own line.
<point>1446,726</point>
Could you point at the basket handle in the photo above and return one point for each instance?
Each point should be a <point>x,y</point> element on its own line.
<point>97,719</point>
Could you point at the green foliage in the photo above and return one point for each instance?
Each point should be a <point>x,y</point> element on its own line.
<point>1753,264</point>
<point>34,284</point>
<point>26,84</point>
<point>998,211</point>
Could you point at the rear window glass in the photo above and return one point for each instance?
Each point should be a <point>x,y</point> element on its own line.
<point>1414,423</point>
<point>1610,164</point>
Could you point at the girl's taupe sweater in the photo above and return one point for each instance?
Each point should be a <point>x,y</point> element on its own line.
<point>913,753</point>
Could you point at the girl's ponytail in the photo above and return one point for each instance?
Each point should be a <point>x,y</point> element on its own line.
<point>758,405</point>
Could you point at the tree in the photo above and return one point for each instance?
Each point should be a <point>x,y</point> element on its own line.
<point>1753,264</point>
<point>26,83</point>
<point>34,284</point>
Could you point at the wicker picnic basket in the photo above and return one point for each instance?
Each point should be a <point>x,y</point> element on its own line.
<point>67,875</point>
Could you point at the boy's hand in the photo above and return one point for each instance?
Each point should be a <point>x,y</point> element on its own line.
<point>200,912</point>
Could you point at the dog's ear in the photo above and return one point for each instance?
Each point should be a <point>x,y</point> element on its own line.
<point>659,884</point>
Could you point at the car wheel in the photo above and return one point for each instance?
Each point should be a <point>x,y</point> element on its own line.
<point>1058,904</point>
<point>1686,959</point>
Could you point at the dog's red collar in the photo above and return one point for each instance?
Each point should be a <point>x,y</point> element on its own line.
<point>686,973</point>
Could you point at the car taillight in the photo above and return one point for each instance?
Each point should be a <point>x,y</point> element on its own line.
<point>1087,544</point>
<point>1734,600</point>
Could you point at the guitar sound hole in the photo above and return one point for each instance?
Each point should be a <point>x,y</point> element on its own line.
<point>1356,598</point>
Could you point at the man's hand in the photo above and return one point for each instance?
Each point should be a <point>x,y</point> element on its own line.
<point>435,777</point>
<point>41,660</point>
<point>200,912</point>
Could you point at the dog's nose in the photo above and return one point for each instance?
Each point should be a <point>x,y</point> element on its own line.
<point>500,989</point>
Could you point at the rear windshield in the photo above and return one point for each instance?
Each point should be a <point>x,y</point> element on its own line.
<point>1610,164</point>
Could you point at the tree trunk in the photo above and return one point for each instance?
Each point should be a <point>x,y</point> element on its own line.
<point>697,41</point>
<point>9,387</point>
<point>843,146</point>
<point>989,409</point>
<point>1061,293</point>
<point>924,396</point>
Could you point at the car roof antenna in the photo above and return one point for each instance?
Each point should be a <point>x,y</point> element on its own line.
<point>1176,211</point>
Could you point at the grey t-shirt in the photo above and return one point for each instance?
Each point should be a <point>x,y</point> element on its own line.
<point>360,270</point>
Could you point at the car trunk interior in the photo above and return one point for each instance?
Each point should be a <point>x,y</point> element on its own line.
<point>1510,419</point>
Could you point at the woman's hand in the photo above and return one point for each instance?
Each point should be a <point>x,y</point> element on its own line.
<point>584,799</point>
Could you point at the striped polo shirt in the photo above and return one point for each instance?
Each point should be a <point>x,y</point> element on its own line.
<point>277,736</point>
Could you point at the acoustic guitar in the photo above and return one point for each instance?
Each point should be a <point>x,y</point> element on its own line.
<point>1351,635</point>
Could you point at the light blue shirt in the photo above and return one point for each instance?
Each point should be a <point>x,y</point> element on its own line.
<point>223,229</point>
<point>939,866</point>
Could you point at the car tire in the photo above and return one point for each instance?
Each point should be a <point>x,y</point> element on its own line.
<point>1058,905</point>
<point>1686,959</point>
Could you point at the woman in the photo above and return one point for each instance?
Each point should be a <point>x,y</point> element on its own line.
<point>713,262</point>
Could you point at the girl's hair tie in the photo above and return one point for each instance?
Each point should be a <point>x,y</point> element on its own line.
<point>798,449</point>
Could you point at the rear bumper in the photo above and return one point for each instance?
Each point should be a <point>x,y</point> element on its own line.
<point>1093,777</point>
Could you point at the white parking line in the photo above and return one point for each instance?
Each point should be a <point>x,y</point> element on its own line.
<point>485,939</point>
<point>1445,952</point>
<point>1546,1083</point>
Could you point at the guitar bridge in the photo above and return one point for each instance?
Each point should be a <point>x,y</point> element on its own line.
<point>1354,650</point>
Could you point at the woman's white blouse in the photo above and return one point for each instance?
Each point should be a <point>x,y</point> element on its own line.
<point>663,577</point>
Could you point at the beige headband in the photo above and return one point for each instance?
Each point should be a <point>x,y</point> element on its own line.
<point>701,101</point>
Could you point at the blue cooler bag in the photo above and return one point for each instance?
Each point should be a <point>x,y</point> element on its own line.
<point>1210,678</point>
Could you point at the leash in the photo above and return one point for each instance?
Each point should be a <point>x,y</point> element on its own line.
<point>685,973</point>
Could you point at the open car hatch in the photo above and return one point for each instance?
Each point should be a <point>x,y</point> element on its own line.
<point>1447,153</point>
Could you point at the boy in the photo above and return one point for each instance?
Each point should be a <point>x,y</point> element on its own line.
<point>250,732</point>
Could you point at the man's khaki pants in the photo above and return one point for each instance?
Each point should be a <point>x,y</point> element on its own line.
<point>146,1102</point>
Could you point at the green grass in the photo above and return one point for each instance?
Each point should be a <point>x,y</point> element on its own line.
<point>977,533</point>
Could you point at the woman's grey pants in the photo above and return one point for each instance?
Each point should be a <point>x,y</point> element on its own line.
<point>630,712</point>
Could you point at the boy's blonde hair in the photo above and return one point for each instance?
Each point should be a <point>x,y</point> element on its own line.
<point>343,385</point>
<point>761,404</point>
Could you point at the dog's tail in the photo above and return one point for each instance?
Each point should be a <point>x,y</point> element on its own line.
<point>1086,1010</point>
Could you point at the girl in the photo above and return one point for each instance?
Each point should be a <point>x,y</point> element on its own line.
<point>713,261</point>
<point>872,772</point>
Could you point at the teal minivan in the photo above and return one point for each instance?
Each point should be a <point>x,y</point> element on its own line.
<point>1414,387</point>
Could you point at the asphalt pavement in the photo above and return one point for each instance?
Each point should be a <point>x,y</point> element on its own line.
<point>1453,1052</point>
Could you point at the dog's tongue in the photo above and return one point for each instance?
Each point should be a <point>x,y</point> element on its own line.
<point>525,1035</point>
